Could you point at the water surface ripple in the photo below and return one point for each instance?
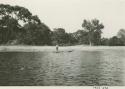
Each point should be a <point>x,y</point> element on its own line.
<point>77,68</point>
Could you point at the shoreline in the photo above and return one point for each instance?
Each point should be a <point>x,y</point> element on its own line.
<point>52,48</point>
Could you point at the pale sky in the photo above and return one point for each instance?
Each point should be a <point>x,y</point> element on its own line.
<point>69,14</point>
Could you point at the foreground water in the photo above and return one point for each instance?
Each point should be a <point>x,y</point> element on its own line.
<point>76,68</point>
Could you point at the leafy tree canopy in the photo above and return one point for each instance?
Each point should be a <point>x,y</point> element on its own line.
<point>17,22</point>
<point>93,28</point>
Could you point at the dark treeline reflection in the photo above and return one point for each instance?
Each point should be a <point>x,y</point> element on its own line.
<point>18,26</point>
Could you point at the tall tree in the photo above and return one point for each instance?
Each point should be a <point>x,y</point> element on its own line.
<point>59,36</point>
<point>93,28</point>
<point>72,39</point>
<point>121,35</point>
<point>104,41</point>
<point>17,22</point>
<point>36,34</point>
<point>115,41</point>
<point>81,36</point>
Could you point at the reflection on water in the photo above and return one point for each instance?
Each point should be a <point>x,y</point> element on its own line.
<point>77,68</point>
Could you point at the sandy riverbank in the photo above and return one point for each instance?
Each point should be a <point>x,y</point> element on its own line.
<point>52,48</point>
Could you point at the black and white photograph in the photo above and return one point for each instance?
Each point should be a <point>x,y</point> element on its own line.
<point>62,43</point>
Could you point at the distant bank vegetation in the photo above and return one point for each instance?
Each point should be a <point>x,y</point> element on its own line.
<point>18,26</point>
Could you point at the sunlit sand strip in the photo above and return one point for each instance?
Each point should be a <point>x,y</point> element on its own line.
<point>52,48</point>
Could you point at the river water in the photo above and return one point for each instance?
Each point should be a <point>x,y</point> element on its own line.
<point>76,68</point>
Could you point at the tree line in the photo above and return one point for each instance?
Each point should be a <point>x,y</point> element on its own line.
<point>18,26</point>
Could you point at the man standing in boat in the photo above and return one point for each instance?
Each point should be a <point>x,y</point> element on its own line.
<point>57,47</point>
